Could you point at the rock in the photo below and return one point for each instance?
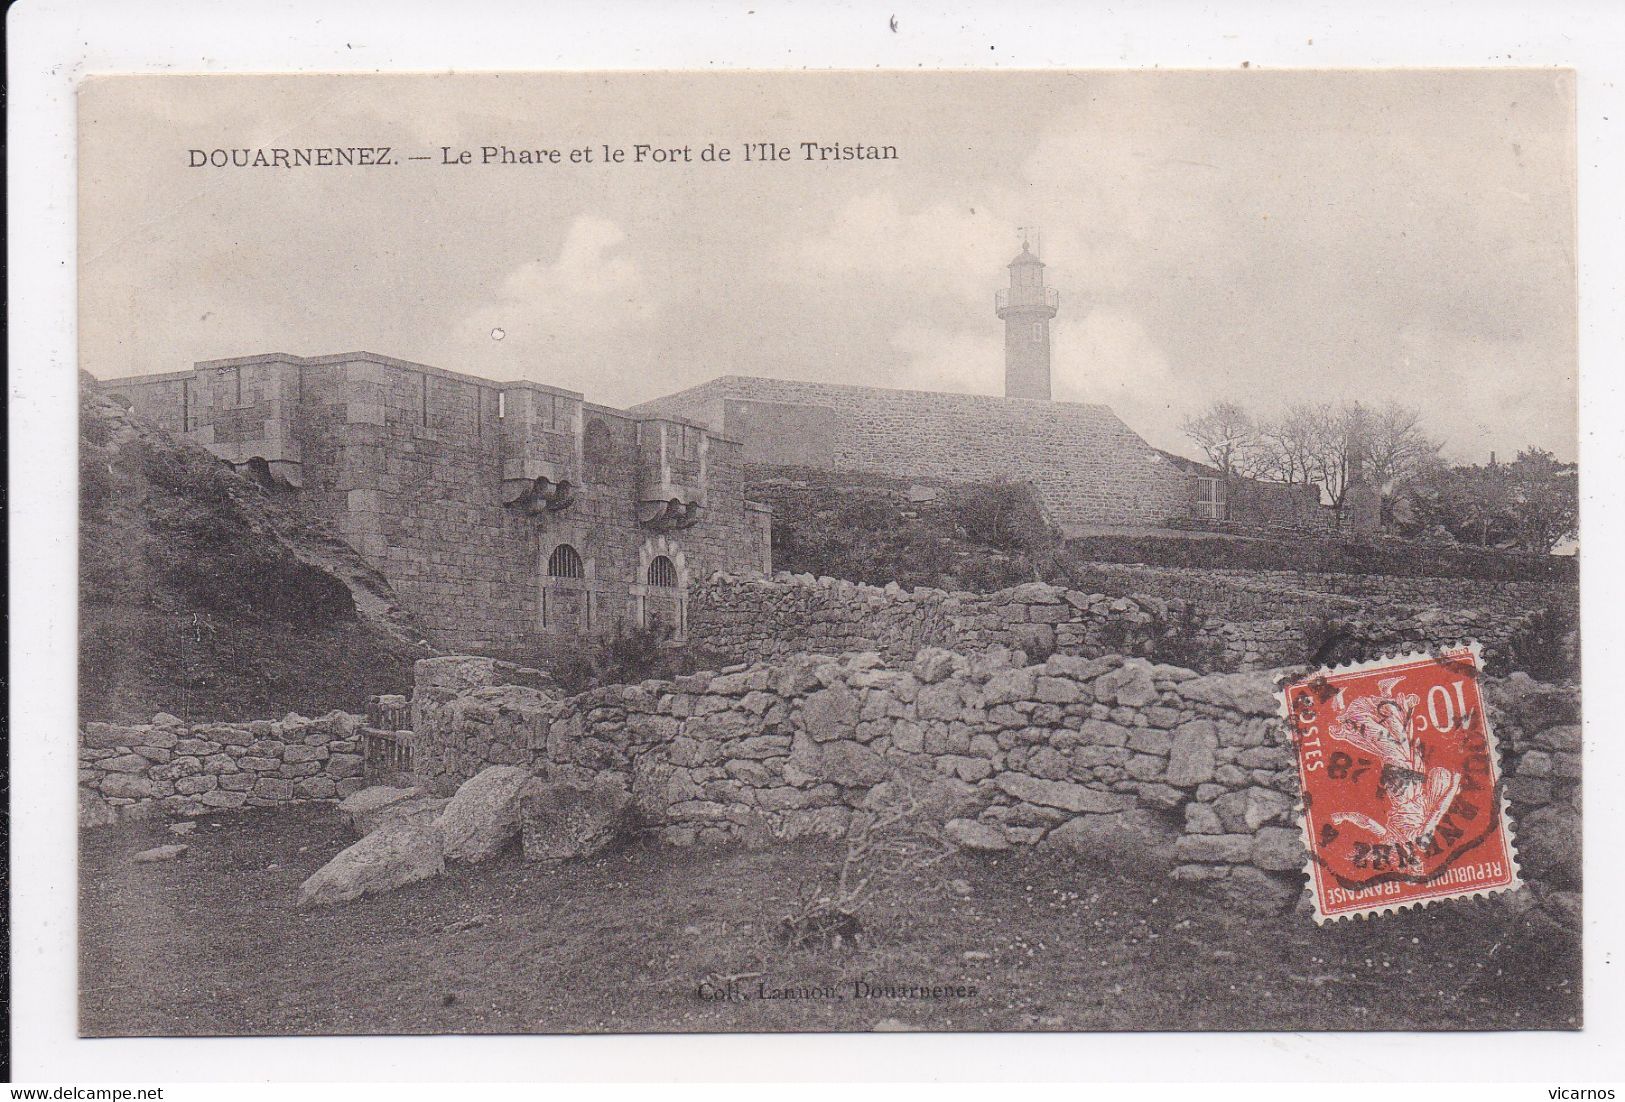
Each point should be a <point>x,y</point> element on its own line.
<point>1191,757</point>
<point>1136,833</point>
<point>396,854</point>
<point>565,821</point>
<point>160,853</point>
<point>847,763</point>
<point>362,809</point>
<point>1548,842</point>
<point>1248,693</point>
<point>1279,849</point>
<point>1246,811</point>
<point>1535,763</point>
<point>1061,794</point>
<point>1202,819</point>
<point>932,665</point>
<point>830,713</point>
<point>125,786</point>
<point>976,836</point>
<point>1130,685</point>
<point>95,812</point>
<point>182,828</point>
<point>485,814</point>
<point>1009,686</point>
<point>1251,889</point>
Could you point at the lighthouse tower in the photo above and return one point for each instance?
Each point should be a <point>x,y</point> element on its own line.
<point>1026,307</point>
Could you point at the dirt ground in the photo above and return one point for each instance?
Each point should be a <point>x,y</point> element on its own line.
<point>210,944</point>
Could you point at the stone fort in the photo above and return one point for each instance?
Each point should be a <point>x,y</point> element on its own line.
<point>516,516</point>
<point>505,515</point>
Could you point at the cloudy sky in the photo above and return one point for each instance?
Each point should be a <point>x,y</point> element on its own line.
<point>1263,237</point>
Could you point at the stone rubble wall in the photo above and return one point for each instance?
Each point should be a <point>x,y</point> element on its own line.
<point>745,619</point>
<point>1193,772</point>
<point>171,769</point>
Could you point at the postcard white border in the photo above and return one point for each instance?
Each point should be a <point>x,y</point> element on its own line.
<point>55,42</point>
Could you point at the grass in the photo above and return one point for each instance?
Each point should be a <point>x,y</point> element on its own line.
<point>210,945</point>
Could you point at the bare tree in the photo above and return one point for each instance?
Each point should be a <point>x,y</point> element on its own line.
<point>1227,435</point>
<point>1395,446</point>
<point>1288,445</point>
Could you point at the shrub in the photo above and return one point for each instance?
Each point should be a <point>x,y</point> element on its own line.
<point>1546,645</point>
<point>1004,515</point>
<point>1184,643</point>
<point>628,656</point>
<point>884,853</point>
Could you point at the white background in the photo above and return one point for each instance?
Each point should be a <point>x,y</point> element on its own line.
<point>55,42</point>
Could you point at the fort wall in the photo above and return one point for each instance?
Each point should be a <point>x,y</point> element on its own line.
<point>460,489</point>
<point>1088,469</point>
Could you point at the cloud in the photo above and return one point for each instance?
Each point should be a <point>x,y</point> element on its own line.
<point>964,361</point>
<point>875,239</point>
<point>590,289</point>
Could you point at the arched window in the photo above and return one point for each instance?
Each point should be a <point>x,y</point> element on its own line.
<point>564,562</point>
<point>662,572</point>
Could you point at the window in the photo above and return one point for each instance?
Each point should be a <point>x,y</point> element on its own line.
<point>1209,499</point>
<point>564,562</point>
<point>662,573</point>
<point>1038,331</point>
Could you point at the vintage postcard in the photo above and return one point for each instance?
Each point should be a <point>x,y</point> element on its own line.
<point>741,552</point>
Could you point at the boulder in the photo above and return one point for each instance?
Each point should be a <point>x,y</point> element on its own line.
<point>160,853</point>
<point>398,853</point>
<point>363,809</point>
<point>1137,833</point>
<point>562,821</point>
<point>973,835</point>
<point>485,814</point>
<point>95,812</point>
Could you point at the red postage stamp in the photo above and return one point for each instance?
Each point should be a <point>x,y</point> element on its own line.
<point>1402,803</point>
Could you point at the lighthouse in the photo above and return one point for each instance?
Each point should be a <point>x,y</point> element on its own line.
<point>1026,308</point>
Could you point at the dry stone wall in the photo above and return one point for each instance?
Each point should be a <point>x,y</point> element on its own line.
<point>171,769</point>
<point>1191,774</point>
<point>739,619</point>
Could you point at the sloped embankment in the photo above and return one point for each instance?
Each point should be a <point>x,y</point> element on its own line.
<point>205,594</point>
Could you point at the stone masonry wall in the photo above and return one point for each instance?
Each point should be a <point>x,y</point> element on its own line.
<point>410,462</point>
<point>1087,467</point>
<point>1193,773</point>
<point>170,769</point>
<point>752,618</point>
